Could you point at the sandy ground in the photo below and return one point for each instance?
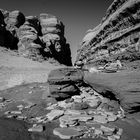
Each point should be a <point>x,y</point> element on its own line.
<point>15,70</point>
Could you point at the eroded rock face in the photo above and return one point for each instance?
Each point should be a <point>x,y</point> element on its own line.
<point>38,38</point>
<point>115,38</point>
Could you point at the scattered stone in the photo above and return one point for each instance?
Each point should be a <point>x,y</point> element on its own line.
<point>36,128</point>
<point>2,99</point>
<point>54,114</point>
<point>98,132</point>
<point>111,138</point>
<point>51,107</point>
<point>21,117</point>
<point>100,119</point>
<point>67,120</point>
<point>79,106</point>
<point>120,131</point>
<point>66,133</point>
<point>107,130</point>
<point>74,112</point>
<point>112,118</point>
<point>16,112</point>
<point>7,112</point>
<point>117,137</point>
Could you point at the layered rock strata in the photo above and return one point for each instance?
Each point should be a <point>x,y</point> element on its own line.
<point>115,38</point>
<point>38,38</point>
<point>62,82</point>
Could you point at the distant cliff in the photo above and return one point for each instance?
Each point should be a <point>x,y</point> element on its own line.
<point>38,38</point>
<point>117,37</point>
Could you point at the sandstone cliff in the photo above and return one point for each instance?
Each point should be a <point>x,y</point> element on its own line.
<point>38,38</point>
<point>115,38</point>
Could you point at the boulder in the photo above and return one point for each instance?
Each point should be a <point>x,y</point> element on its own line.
<point>65,75</point>
<point>62,82</point>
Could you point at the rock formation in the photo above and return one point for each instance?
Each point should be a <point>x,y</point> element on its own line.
<point>62,82</point>
<point>115,41</point>
<point>115,38</point>
<point>38,38</point>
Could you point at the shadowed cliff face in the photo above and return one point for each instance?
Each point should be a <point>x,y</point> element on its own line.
<point>38,38</point>
<point>115,38</point>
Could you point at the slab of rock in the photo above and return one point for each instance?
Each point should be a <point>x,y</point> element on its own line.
<point>100,119</point>
<point>62,82</point>
<point>36,128</point>
<point>54,114</point>
<point>66,133</point>
<point>107,130</point>
<point>68,120</point>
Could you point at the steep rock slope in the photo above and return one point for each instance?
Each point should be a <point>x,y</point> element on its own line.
<point>115,38</point>
<point>38,38</point>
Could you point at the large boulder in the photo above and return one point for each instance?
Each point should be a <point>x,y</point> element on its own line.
<point>62,82</point>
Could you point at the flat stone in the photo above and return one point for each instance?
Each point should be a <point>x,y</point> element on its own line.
<point>66,133</point>
<point>54,114</point>
<point>112,118</point>
<point>67,120</point>
<point>16,112</point>
<point>98,132</point>
<point>120,131</point>
<point>36,128</point>
<point>79,106</point>
<point>21,117</point>
<point>100,119</point>
<point>111,138</point>
<point>51,107</point>
<point>107,130</point>
<point>74,112</point>
<point>117,137</point>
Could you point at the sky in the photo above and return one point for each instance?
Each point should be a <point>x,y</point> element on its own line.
<point>77,15</point>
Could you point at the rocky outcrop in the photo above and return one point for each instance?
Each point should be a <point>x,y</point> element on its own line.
<point>53,38</point>
<point>115,38</point>
<point>38,38</point>
<point>62,82</point>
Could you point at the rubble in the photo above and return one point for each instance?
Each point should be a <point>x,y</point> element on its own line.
<point>36,128</point>
<point>54,114</point>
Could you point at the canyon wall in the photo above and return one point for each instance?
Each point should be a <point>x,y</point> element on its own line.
<point>117,37</point>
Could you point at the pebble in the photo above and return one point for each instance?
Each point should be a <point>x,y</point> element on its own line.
<point>66,133</point>
<point>54,114</point>
<point>36,128</point>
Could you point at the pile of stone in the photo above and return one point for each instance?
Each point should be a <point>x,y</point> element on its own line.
<point>88,108</point>
<point>53,38</point>
<point>62,82</point>
<point>29,44</point>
